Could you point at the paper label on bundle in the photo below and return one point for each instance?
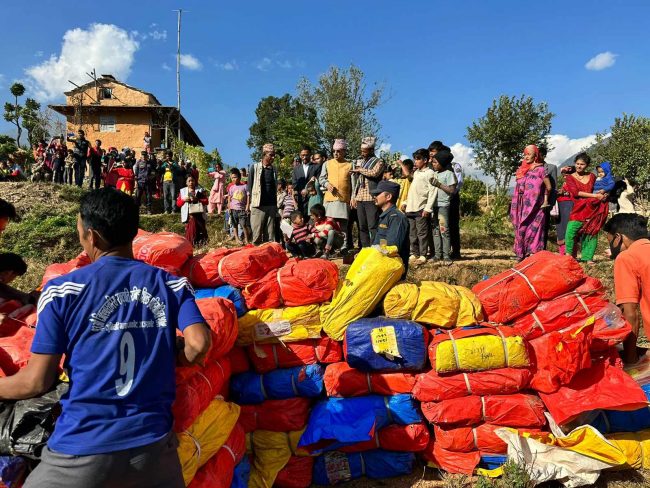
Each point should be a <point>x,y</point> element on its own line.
<point>337,467</point>
<point>384,341</point>
<point>270,330</point>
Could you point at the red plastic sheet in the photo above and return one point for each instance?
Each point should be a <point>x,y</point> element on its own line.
<point>517,410</point>
<point>276,415</point>
<point>164,250</point>
<point>450,461</point>
<point>602,387</point>
<point>564,311</point>
<point>203,270</point>
<point>296,474</point>
<point>14,315</point>
<point>251,264</point>
<point>406,438</point>
<point>543,276</point>
<point>343,381</point>
<point>239,362</point>
<point>15,350</point>
<point>298,282</point>
<point>196,387</point>
<point>558,356</point>
<point>467,439</point>
<point>433,387</point>
<point>59,269</point>
<point>218,471</point>
<point>267,357</point>
<point>220,314</point>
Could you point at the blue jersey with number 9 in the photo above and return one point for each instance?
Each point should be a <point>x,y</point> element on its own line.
<point>115,320</point>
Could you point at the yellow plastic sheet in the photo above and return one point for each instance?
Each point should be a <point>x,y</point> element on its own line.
<point>206,436</point>
<point>401,300</point>
<point>471,310</point>
<point>635,446</point>
<point>271,452</point>
<point>289,324</point>
<point>369,278</point>
<point>438,304</point>
<point>481,353</point>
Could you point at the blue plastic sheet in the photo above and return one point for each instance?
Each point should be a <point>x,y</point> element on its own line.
<point>338,422</point>
<point>242,474</point>
<point>229,293</point>
<point>609,421</point>
<point>412,339</point>
<point>301,381</point>
<point>337,467</point>
<point>12,471</point>
<point>492,462</point>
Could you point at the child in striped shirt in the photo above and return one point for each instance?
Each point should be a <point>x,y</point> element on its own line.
<point>301,242</point>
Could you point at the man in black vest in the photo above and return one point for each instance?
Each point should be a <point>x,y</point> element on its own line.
<point>367,172</point>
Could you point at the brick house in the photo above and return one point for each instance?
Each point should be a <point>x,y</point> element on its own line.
<point>119,115</point>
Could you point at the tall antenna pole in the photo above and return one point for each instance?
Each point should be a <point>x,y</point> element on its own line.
<point>178,73</point>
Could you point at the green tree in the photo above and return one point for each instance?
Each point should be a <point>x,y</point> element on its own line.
<point>285,122</point>
<point>198,155</point>
<point>499,137</point>
<point>470,196</point>
<point>344,105</point>
<point>13,111</point>
<point>7,147</point>
<point>627,148</point>
<point>34,122</point>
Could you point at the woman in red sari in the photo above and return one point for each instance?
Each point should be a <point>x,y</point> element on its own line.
<point>192,200</point>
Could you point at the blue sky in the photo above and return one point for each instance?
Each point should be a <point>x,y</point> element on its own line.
<point>442,62</point>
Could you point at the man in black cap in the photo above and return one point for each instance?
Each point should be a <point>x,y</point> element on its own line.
<point>393,225</point>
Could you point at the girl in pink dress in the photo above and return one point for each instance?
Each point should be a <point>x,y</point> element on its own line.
<point>217,194</point>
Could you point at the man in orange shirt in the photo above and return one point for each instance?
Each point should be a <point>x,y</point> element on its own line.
<point>628,240</point>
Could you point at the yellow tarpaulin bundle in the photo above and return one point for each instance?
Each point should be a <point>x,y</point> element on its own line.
<point>371,275</point>
<point>433,303</point>
<point>635,446</point>
<point>479,353</point>
<point>271,452</point>
<point>289,324</point>
<point>206,436</point>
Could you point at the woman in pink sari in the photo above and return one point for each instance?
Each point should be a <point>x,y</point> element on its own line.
<point>217,194</point>
<point>528,203</point>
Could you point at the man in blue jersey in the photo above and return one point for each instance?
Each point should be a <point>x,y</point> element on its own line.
<point>115,320</point>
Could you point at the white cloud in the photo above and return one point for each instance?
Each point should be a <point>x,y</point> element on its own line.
<point>601,61</point>
<point>264,64</point>
<point>286,64</point>
<point>38,54</point>
<point>104,47</point>
<point>384,147</point>
<point>228,65</point>
<point>158,35</point>
<point>564,147</point>
<point>166,67</point>
<point>190,62</point>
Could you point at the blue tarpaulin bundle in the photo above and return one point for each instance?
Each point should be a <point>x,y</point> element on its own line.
<point>610,421</point>
<point>242,474</point>
<point>409,338</point>
<point>301,381</point>
<point>492,461</point>
<point>229,293</point>
<point>337,422</point>
<point>336,467</point>
<point>12,471</point>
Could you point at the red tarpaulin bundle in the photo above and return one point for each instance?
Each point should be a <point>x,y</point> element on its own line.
<point>267,357</point>
<point>433,387</point>
<point>450,461</point>
<point>14,315</point>
<point>298,282</point>
<point>276,415</point>
<point>542,276</point>
<point>196,387</point>
<point>517,410</point>
<point>251,264</point>
<point>59,269</point>
<point>343,381</point>
<point>15,350</point>
<point>218,471</point>
<point>564,311</point>
<point>558,356</point>
<point>296,474</point>
<point>239,362</point>
<point>219,313</point>
<point>601,387</point>
<point>164,250</point>
<point>405,438</point>
<point>467,439</point>
<point>203,270</point>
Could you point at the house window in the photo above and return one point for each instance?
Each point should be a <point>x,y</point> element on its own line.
<point>107,123</point>
<point>105,93</point>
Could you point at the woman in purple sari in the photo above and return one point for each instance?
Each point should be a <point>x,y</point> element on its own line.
<point>528,203</point>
